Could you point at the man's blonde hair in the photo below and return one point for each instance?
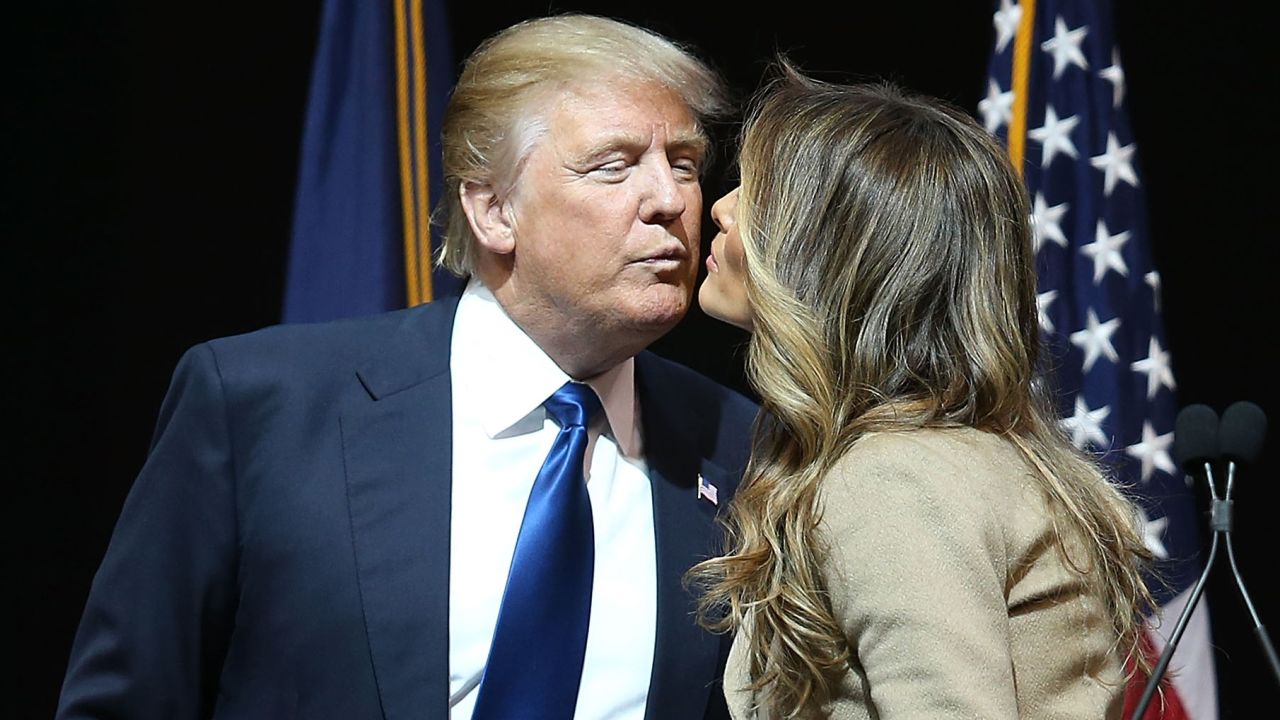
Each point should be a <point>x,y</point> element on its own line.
<point>497,111</point>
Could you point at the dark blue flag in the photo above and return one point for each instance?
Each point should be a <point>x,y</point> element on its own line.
<point>1056,95</point>
<point>362,240</point>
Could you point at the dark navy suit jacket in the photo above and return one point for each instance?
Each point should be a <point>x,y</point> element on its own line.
<point>284,552</point>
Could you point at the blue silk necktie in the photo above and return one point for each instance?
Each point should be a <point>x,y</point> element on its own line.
<point>535,661</point>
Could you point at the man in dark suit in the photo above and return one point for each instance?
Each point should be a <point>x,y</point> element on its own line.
<point>386,517</point>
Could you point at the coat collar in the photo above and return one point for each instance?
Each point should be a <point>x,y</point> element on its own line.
<point>398,446</point>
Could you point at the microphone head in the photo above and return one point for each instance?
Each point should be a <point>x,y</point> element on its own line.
<point>1195,436</point>
<point>1244,428</point>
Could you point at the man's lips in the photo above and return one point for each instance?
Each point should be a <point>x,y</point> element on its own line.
<point>674,254</point>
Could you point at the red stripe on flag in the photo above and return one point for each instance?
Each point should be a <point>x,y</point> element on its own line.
<point>1166,705</point>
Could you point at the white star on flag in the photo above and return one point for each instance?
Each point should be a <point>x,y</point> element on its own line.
<point>1114,74</point>
<point>1156,367</point>
<point>1153,534</point>
<point>1152,279</point>
<point>996,108</point>
<point>1153,451</point>
<point>1095,339</point>
<point>1006,21</point>
<point>1065,47</point>
<point>1105,251</point>
<point>1055,136</point>
<point>1046,222</point>
<point>1043,301</point>
<point>1071,101</point>
<point>1085,425</point>
<point>1115,163</point>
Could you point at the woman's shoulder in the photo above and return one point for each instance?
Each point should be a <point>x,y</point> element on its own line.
<point>946,480</point>
<point>927,453</point>
<point>979,474</point>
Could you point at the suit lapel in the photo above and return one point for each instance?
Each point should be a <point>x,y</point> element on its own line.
<point>397,440</point>
<point>686,658</point>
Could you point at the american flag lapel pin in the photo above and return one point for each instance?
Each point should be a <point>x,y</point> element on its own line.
<point>707,491</point>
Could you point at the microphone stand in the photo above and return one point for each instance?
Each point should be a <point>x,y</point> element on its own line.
<point>1153,682</point>
<point>1220,522</point>
<point>1259,630</point>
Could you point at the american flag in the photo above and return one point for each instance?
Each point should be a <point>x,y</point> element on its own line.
<point>707,491</point>
<point>1056,96</point>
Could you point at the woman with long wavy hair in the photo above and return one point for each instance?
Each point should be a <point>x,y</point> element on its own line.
<point>915,537</point>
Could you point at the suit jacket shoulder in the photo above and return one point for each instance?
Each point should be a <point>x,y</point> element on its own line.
<point>389,350</point>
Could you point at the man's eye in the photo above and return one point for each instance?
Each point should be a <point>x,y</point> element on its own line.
<point>614,168</point>
<point>686,167</point>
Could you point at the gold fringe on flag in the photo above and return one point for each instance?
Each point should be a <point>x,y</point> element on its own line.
<point>1021,76</point>
<point>415,190</point>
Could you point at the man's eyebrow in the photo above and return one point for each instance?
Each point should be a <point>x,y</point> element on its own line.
<point>679,139</point>
<point>610,144</point>
<point>688,138</point>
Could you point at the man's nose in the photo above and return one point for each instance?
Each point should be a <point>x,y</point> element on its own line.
<point>664,199</point>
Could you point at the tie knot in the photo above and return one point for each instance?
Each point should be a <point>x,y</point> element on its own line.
<point>573,404</point>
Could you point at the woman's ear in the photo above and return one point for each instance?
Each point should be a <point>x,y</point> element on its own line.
<point>489,217</point>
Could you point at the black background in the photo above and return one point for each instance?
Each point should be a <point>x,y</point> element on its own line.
<point>149,155</point>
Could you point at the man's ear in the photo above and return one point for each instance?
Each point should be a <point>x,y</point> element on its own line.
<point>489,217</point>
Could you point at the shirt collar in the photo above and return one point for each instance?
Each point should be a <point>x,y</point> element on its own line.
<point>506,374</point>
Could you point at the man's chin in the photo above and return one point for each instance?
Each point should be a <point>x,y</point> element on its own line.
<point>658,311</point>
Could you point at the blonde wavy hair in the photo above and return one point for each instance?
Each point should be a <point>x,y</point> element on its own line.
<point>891,276</point>
<point>497,110</point>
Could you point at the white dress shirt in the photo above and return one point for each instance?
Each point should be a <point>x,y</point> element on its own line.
<point>501,435</point>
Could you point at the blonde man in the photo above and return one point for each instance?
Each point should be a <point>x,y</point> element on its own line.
<point>369,519</point>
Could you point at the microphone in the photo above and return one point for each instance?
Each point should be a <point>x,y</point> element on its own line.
<point>1195,446</point>
<point>1243,430</point>
<point>1195,438</point>
<point>1240,436</point>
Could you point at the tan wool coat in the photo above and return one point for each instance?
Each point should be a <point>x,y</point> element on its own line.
<point>953,599</point>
